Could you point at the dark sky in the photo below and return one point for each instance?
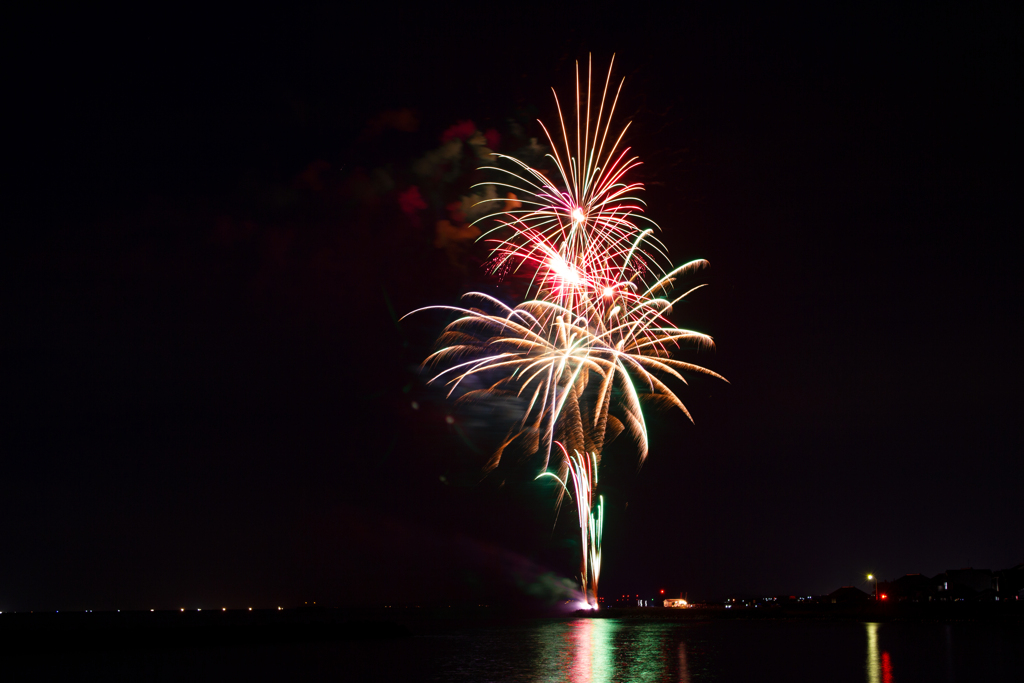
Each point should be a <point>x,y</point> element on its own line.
<point>208,399</point>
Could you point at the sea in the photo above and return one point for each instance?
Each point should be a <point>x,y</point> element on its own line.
<point>577,650</point>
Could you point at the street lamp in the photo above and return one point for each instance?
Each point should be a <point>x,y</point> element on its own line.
<point>872,576</point>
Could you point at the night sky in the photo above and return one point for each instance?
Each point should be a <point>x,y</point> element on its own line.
<point>208,398</point>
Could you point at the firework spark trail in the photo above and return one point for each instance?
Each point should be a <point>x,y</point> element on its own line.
<point>595,342</point>
<point>540,343</point>
<point>589,222</point>
<point>583,471</point>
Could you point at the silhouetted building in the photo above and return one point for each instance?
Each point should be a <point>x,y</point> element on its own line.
<point>1011,581</point>
<point>953,585</point>
<point>958,585</point>
<point>847,594</point>
<point>977,580</point>
<point>911,588</point>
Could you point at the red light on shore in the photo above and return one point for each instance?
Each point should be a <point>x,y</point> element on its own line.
<point>662,591</point>
<point>884,596</point>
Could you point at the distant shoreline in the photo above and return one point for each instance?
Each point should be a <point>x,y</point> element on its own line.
<point>47,631</point>
<point>1010,612</point>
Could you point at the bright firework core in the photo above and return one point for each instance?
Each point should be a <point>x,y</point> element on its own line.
<point>563,270</point>
<point>578,216</point>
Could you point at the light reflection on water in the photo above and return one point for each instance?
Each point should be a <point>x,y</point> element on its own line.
<point>878,667</point>
<point>684,668</point>
<point>874,675</point>
<point>585,650</point>
<point>598,650</point>
<point>580,651</point>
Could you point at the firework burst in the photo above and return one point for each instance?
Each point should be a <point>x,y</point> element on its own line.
<point>594,343</point>
<point>581,230</point>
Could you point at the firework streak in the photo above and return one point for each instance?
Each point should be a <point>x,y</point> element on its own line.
<point>592,342</point>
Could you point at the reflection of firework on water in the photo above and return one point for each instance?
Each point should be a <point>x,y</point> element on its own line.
<point>595,342</point>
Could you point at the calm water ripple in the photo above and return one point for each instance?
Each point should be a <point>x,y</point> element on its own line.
<point>599,650</point>
<point>580,651</point>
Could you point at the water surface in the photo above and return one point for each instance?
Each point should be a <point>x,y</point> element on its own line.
<point>598,650</point>
<point>581,650</point>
